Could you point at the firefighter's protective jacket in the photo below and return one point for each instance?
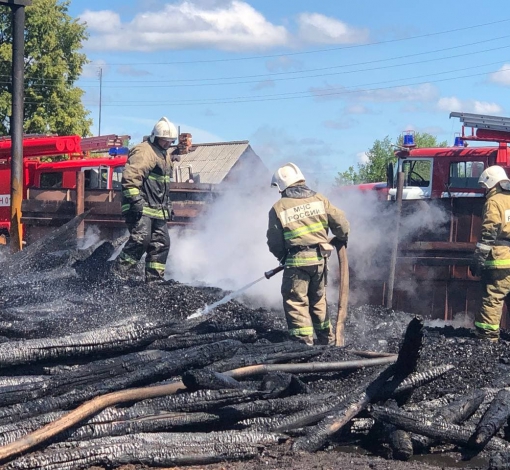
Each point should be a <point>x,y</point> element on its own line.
<point>299,223</point>
<point>494,242</point>
<point>146,177</point>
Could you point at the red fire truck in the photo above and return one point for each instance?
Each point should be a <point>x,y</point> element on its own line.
<point>99,172</point>
<point>440,221</point>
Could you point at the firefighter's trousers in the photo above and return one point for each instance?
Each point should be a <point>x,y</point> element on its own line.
<point>304,302</point>
<point>147,235</point>
<point>496,286</point>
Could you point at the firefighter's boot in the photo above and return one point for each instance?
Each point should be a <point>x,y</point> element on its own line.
<point>308,340</point>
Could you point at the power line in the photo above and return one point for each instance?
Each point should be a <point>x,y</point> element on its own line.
<point>269,74</point>
<point>268,56</point>
<point>307,94</point>
<point>406,64</point>
<point>327,68</point>
<point>311,76</point>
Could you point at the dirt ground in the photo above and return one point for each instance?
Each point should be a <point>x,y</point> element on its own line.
<point>342,459</point>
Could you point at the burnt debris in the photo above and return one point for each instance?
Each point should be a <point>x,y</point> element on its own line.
<point>219,387</point>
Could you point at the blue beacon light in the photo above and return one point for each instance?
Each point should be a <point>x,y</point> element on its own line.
<point>114,151</point>
<point>408,139</point>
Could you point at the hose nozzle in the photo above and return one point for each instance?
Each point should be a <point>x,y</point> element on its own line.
<point>269,274</point>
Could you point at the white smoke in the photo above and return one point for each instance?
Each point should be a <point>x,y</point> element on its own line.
<point>91,237</point>
<point>460,320</point>
<point>372,236</point>
<point>227,247</point>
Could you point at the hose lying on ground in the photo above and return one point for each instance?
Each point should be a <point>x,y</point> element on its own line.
<point>136,394</point>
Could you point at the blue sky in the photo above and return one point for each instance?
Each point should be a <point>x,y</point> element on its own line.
<point>315,83</point>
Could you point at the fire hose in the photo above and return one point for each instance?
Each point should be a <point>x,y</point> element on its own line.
<point>343,292</point>
<point>125,396</point>
<point>136,394</point>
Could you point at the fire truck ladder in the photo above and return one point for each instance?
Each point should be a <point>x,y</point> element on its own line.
<point>488,129</point>
<point>482,121</point>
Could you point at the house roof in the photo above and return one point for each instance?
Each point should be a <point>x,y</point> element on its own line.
<point>213,161</point>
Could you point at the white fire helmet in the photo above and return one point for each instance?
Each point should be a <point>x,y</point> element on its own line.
<point>164,129</point>
<point>286,176</point>
<point>493,175</point>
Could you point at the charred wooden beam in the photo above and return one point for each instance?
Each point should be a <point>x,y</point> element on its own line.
<point>401,444</point>
<point>208,379</point>
<point>415,380</point>
<point>272,407</point>
<point>113,339</point>
<point>437,430</point>
<point>189,340</point>
<point>202,400</point>
<point>161,449</point>
<point>267,354</point>
<point>406,363</point>
<point>499,461</point>
<point>152,367</point>
<point>493,420</point>
<point>462,408</point>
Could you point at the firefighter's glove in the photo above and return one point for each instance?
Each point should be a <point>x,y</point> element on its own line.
<point>136,209</point>
<point>478,262</point>
<point>339,243</point>
<point>137,206</point>
<point>176,158</point>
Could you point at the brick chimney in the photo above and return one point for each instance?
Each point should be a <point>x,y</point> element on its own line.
<point>184,144</point>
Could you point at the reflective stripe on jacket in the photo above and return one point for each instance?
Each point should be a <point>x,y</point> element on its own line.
<point>299,223</point>
<point>496,229</point>
<point>146,177</point>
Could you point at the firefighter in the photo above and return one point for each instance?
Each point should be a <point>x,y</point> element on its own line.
<point>297,235</point>
<point>146,204</point>
<point>491,259</point>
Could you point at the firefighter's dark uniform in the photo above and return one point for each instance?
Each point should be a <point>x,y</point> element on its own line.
<point>494,248</point>
<point>146,207</point>
<point>298,226</point>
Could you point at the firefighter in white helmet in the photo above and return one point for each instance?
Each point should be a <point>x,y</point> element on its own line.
<point>297,235</point>
<point>146,203</point>
<point>491,259</point>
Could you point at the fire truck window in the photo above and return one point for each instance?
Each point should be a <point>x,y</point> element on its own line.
<point>51,180</point>
<point>96,178</point>
<point>117,178</point>
<point>465,174</point>
<point>417,173</point>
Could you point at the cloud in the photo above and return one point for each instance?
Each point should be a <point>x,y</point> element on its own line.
<point>357,109</point>
<point>230,26</point>
<point>419,93</point>
<point>362,158</point>
<point>127,70</point>
<point>317,28</point>
<point>468,106</point>
<point>502,76</point>
<point>313,155</point>
<point>284,64</point>
<point>91,70</point>
<point>263,84</point>
<point>104,21</point>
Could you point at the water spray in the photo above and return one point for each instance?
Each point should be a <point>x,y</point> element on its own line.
<point>209,308</point>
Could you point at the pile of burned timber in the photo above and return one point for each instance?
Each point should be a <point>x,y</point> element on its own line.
<point>95,373</point>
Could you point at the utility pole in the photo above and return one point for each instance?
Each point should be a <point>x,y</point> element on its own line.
<point>100,72</point>
<point>16,128</point>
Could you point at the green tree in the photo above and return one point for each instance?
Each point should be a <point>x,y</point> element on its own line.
<point>378,157</point>
<point>53,63</point>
